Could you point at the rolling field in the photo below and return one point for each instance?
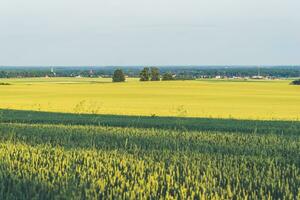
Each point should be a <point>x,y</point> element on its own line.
<point>205,98</point>
<point>92,139</point>
<point>69,156</point>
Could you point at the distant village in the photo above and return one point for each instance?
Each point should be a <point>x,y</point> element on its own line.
<point>245,77</point>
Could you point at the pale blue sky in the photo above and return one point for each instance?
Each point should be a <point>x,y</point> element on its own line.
<point>149,32</point>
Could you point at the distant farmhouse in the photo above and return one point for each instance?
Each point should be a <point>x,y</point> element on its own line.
<point>258,77</point>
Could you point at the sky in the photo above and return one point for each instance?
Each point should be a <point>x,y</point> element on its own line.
<point>149,32</point>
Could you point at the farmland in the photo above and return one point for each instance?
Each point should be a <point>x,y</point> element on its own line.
<point>92,139</point>
<point>206,98</point>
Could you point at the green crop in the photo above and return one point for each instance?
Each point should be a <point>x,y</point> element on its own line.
<point>45,159</point>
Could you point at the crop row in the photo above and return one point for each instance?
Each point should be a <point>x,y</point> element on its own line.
<point>94,162</point>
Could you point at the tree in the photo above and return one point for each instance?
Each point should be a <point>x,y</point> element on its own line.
<point>295,82</point>
<point>167,77</point>
<point>145,74</point>
<point>3,74</point>
<point>155,74</point>
<point>118,76</point>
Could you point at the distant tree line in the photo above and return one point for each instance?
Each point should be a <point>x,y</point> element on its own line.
<point>61,72</point>
<point>152,73</point>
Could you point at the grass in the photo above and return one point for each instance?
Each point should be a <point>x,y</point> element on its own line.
<point>263,100</point>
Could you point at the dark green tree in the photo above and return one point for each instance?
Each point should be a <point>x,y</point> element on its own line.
<point>3,74</point>
<point>145,74</point>
<point>295,82</point>
<point>167,77</point>
<point>155,75</point>
<point>118,76</point>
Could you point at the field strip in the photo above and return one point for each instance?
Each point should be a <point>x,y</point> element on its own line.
<point>173,123</point>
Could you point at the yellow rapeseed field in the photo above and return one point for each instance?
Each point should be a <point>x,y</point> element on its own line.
<point>200,98</point>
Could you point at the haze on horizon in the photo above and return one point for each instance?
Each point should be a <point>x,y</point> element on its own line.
<point>157,32</point>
